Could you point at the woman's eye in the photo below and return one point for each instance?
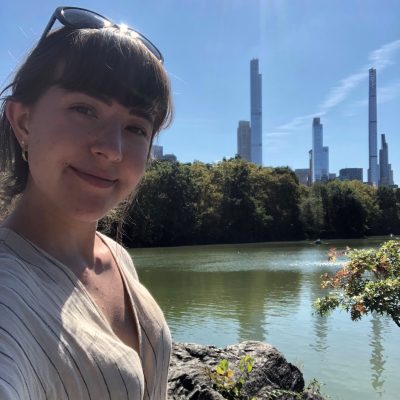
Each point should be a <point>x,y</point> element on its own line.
<point>85,110</point>
<point>137,130</point>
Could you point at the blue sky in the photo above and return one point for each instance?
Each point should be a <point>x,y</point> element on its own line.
<point>314,58</point>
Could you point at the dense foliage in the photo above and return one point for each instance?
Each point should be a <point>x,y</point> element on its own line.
<point>235,201</point>
<point>369,282</point>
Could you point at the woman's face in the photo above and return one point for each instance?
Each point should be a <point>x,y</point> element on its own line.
<point>85,155</point>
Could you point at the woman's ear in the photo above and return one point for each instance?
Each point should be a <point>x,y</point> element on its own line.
<point>18,116</point>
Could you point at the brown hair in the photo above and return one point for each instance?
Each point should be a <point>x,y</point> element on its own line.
<point>104,63</point>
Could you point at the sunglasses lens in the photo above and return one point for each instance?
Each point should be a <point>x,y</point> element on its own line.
<point>85,19</point>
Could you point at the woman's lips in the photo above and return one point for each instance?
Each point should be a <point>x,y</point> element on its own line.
<point>95,179</point>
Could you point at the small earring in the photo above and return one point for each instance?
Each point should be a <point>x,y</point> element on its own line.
<point>24,153</point>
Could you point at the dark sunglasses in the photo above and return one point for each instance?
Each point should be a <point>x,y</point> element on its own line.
<point>80,18</point>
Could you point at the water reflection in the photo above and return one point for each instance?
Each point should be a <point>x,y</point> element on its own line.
<point>225,294</point>
<point>320,324</point>
<point>246,297</point>
<point>377,360</point>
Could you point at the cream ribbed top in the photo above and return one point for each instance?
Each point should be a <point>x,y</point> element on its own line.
<point>56,344</point>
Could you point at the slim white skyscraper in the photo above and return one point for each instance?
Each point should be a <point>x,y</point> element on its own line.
<point>319,154</point>
<point>373,173</point>
<point>256,112</point>
<point>244,140</point>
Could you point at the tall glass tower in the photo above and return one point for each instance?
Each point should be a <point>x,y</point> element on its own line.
<point>373,173</point>
<point>256,113</point>
<point>319,154</point>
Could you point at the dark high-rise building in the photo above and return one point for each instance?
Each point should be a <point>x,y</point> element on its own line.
<point>351,174</point>
<point>373,173</point>
<point>244,140</point>
<point>303,175</point>
<point>385,169</point>
<point>256,112</point>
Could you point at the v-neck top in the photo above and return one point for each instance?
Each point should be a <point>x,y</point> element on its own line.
<point>56,344</point>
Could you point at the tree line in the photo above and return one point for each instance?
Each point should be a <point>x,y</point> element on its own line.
<point>234,201</point>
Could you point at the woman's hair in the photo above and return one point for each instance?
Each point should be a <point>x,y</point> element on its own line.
<point>103,63</point>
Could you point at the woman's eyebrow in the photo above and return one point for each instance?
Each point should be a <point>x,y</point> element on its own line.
<point>137,112</point>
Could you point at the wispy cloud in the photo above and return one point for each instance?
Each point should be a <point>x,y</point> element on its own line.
<point>388,93</point>
<point>298,122</point>
<point>384,95</point>
<point>177,77</point>
<point>341,91</point>
<point>379,59</point>
<point>23,32</point>
<point>383,57</point>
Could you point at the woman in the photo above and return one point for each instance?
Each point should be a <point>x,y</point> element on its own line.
<point>76,133</point>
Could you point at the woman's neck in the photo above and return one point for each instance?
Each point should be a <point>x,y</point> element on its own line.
<point>70,241</point>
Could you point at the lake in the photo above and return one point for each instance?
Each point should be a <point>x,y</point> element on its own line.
<point>224,294</point>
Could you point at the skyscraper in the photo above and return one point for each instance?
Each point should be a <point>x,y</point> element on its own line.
<point>351,174</point>
<point>303,175</point>
<point>256,113</point>
<point>157,151</point>
<point>372,130</point>
<point>385,169</point>
<point>244,140</point>
<point>319,154</point>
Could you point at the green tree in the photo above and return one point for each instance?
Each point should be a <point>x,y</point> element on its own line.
<point>237,208</point>
<point>207,203</point>
<point>345,215</point>
<point>311,213</point>
<point>283,206</point>
<point>163,213</point>
<point>388,220</point>
<point>369,282</point>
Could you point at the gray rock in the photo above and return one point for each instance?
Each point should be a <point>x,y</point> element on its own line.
<point>272,376</point>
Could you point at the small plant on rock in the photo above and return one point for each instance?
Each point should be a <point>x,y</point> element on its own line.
<point>230,382</point>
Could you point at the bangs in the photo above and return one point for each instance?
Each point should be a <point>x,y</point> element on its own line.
<point>109,64</point>
<point>103,63</point>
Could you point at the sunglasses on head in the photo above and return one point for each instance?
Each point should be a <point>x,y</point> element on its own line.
<point>80,18</point>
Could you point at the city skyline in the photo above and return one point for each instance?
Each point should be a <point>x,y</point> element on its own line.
<point>313,61</point>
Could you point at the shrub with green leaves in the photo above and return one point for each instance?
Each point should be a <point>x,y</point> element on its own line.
<point>369,282</point>
<point>229,382</point>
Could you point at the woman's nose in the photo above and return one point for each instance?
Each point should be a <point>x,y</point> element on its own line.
<point>108,143</point>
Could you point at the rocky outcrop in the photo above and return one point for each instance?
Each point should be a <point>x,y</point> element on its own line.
<point>272,376</point>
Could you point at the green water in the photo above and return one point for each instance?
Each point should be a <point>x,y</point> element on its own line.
<point>225,294</point>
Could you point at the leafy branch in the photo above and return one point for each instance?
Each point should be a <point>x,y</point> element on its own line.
<point>369,282</point>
